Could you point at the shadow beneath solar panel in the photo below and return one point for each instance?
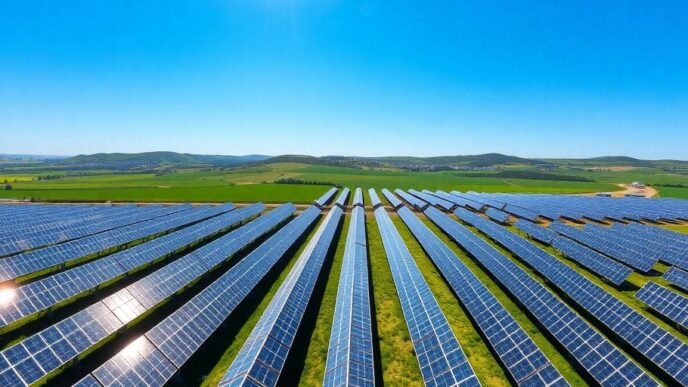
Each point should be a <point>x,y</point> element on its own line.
<point>296,359</point>
<point>198,367</point>
<point>151,318</point>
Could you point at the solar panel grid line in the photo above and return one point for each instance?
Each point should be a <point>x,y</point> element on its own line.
<point>605,363</point>
<point>78,334</point>
<point>667,303</point>
<point>264,353</point>
<point>438,352</point>
<point>181,334</point>
<point>524,361</point>
<point>677,277</point>
<point>49,292</point>
<point>56,256</point>
<point>664,350</point>
<point>351,338</point>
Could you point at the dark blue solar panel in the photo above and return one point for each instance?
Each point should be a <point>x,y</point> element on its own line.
<point>497,215</point>
<point>659,346</point>
<point>48,292</point>
<point>677,277</point>
<point>86,329</point>
<point>182,333</point>
<point>669,304</point>
<point>51,257</point>
<point>418,204</point>
<point>606,364</point>
<point>524,361</point>
<point>350,352</point>
<point>263,356</point>
<point>440,356</point>
<point>326,198</point>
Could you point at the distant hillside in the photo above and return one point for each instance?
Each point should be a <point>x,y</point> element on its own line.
<point>152,160</point>
<point>609,161</point>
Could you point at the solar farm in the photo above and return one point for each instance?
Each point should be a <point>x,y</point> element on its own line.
<point>359,288</point>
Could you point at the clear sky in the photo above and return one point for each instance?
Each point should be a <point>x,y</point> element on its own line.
<point>529,78</point>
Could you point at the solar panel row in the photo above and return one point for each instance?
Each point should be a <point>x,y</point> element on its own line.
<point>262,358</point>
<point>669,304</point>
<point>106,219</point>
<point>606,246</point>
<point>358,198</point>
<point>614,272</point>
<point>40,355</point>
<point>660,347</point>
<point>374,199</point>
<point>393,200</point>
<point>524,361</point>
<point>48,292</point>
<point>432,199</point>
<point>418,204</point>
<point>170,344</point>
<point>497,215</point>
<point>350,351</point>
<point>440,356</point>
<point>342,198</point>
<point>677,277</point>
<point>326,197</point>
<point>49,258</point>
<point>605,363</point>
<point>669,246</point>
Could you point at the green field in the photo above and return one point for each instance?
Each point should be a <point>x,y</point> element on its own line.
<point>256,183</point>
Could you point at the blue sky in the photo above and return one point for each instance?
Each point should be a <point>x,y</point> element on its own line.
<point>530,78</point>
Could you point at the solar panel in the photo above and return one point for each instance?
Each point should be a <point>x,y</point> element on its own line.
<point>659,346</point>
<point>497,215</point>
<point>607,246</point>
<point>440,356</point>
<point>393,200</point>
<point>536,232</point>
<point>49,258</point>
<point>350,351</point>
<point>432,199</point>
<point>418,204</point>
<point>667,303</point>
<point>38,356</point>
<point>358,197</point>
<point>605,363</point>
<point>48,292</point>
<point>263,356</point>
<point>677,277</point>
<point>326,198</point>
<point>182,333</point>
<point>342,198</point>
<point>524,361</point>
<point>374,199</point>
<point>106,218</point>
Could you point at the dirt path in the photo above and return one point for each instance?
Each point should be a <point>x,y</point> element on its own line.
<point>647,191</point>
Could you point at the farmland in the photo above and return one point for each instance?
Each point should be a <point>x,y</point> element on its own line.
<point>257,183</point>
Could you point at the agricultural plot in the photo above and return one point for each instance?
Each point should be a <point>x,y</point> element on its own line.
<point>360,287</point>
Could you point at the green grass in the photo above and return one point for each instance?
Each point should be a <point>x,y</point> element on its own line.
<point>678,228</point>
<point>397,358</point>
<point>489,372</point>
<point>314,365</point>
<point>671,192</point>
<point>235,343</point>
